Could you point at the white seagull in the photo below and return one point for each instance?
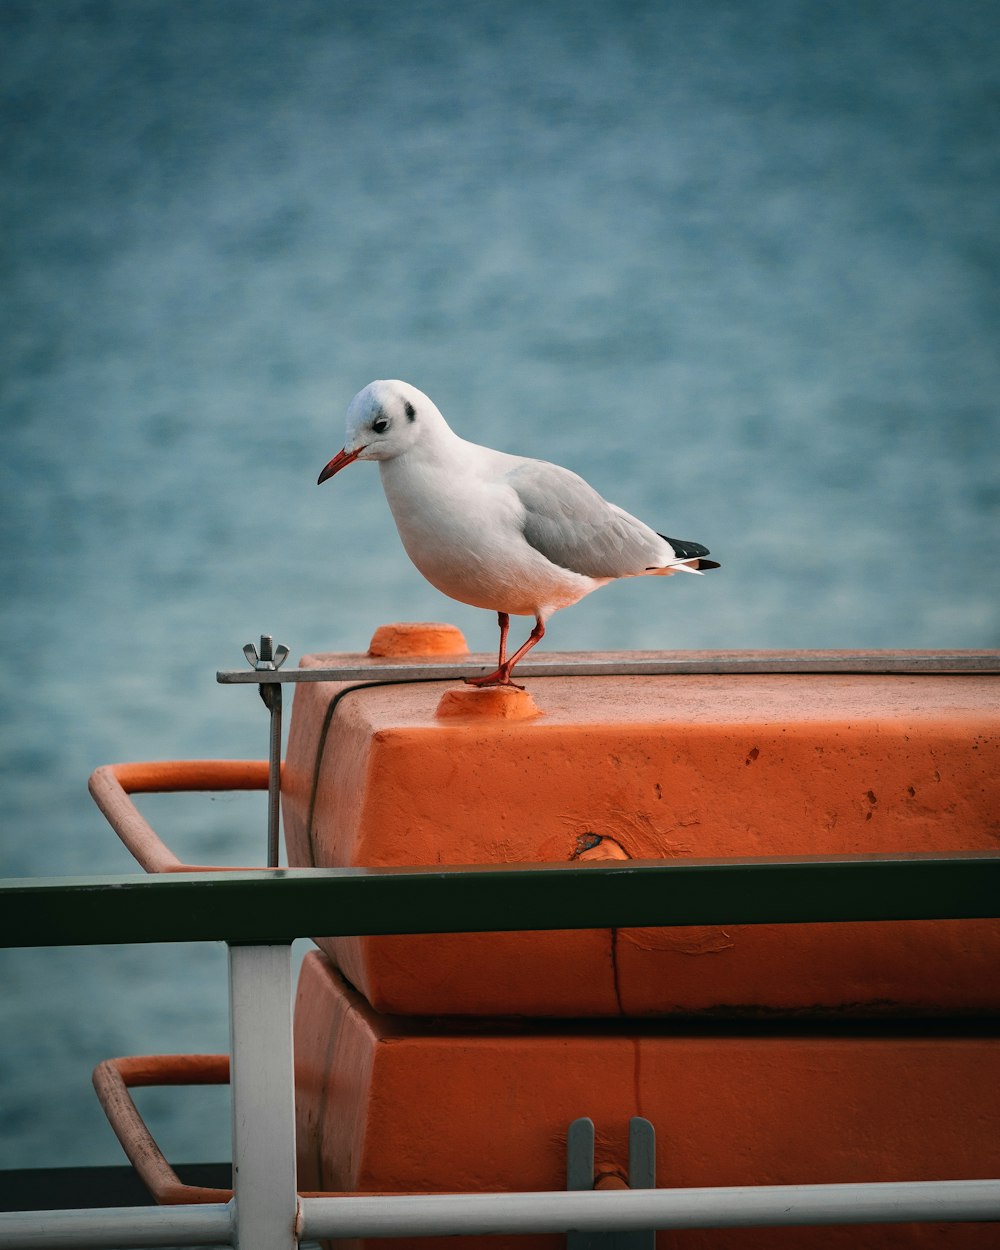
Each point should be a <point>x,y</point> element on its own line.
<point>518,536</point>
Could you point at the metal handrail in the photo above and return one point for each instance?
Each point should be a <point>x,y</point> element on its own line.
<point>635,664</point>
<point>259,913</point>
<point>280,905</point>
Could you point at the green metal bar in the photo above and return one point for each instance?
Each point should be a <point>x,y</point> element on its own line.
<point>280,905</point>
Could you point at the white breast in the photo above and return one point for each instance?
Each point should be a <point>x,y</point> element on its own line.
<point>462,526</point>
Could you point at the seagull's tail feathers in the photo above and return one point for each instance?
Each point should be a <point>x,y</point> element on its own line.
<point>678,566</point>
<point>688,558</point>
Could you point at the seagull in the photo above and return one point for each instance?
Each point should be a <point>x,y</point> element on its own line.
<point>518,536</point>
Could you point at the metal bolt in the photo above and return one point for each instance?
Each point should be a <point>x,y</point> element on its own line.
<point>269,659</point>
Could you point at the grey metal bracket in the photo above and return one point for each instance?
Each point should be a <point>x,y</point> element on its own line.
<point>267,660</point>
<point>641,1175</point>
<point>652,664</point>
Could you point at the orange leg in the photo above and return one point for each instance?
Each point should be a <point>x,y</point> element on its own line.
<point>504,622</point>
<point>502,675</point>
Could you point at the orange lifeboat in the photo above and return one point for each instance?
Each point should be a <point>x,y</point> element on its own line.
<point>762,1054</point>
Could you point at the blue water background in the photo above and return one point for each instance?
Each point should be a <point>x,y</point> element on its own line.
<point>736,263</point>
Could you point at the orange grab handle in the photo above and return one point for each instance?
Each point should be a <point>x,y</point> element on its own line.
<point>112,1080</point>
<point>111,784</point>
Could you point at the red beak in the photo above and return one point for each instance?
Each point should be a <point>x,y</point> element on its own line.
<point>340,461</point>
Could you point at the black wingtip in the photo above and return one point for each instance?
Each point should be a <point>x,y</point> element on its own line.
<point>708,564</point>
<point>684,549</point>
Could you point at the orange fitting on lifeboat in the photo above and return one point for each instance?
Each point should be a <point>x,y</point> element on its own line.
<point>111,784</point>
<point>417,638</point>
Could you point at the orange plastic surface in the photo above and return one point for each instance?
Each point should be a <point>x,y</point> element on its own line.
<point>402,1105</point>
<point>417,638</point>
<point>652,767</point>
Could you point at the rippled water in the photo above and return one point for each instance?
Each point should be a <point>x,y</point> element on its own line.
<point>735,263</point>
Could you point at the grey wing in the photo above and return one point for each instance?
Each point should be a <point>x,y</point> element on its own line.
<point>571,525</point>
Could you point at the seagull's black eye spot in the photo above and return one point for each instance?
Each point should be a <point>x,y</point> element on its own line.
<point>411,412</point>
<point>380,426</point>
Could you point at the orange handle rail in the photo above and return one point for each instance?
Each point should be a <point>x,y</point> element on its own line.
<point>112,784</point>
<point>112,1080</point>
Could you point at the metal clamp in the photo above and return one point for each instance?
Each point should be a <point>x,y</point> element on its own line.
<point>641,1175</point>
<point>268,659</point>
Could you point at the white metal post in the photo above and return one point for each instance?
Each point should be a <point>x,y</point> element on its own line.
<point>260,1023</point>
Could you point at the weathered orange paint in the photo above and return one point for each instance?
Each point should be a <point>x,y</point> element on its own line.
<point>653,767</point>
<point>398,1104</point>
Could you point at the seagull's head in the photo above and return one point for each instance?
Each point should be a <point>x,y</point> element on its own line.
<point>383,421</point>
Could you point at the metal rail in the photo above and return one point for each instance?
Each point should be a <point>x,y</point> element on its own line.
<point>427,1215</point>
<point>279,905</point>
<point>105,1228</point>
<point>259,913</point>
<point>902,663</point>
